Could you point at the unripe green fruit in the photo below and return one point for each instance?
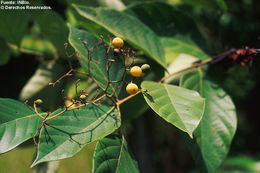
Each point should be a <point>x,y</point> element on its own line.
<point>136,71</point>
<point>117,42</point>
<point>38,101</point>
<point>145,67</point>
<point>83,97</point>
<point>131,88</point>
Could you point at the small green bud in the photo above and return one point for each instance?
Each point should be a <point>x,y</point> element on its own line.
<point>83,97</point>
<point>38,102</point>
<point>145,67</point>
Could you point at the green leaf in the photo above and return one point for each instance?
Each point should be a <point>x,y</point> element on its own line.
<point>218,125</point>
<point>75,19</point>
<point>17,124</point>
<point>114,4</point>
<point>13,25</point>
<point>53,28</point>
<point>181,44</point>
<point>240,164</point>
<point>97,67</point>
<point>178,32</point>
<point>68,133</point>
<point>181,107</point>
<point>112,154</point>
<point>174,20</point>
<point>5,52</point>
<point>181,62</point>
<point>38,86</point>
<point>127,27</point>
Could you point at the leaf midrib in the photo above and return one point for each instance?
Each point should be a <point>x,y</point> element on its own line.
<point>174,107</point>
<point>29,116</point>
<point>48,153</point>
<point>120,153</point>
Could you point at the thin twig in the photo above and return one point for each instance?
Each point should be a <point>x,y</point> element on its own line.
<point>187,68</point>
<point>58,81</point>
<point>119,102</point>
<point>36,111</point>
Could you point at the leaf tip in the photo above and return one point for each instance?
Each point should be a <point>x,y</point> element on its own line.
<point>33,164</point>
<point>190,134</point>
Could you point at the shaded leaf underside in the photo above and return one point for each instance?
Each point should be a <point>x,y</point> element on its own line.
<point>217,128</point>
<point>112,155</point>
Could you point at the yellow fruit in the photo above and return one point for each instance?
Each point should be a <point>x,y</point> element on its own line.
<point>136,71</point>
<point>131,88</point>
<point>117,42</point>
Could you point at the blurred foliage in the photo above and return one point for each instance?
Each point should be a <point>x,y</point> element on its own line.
<point>240,164</point>
<point>20,159</point>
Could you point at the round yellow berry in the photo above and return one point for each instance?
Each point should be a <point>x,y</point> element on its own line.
<point>131,88</point>
<point>117,42</point>
<point>136,71</point>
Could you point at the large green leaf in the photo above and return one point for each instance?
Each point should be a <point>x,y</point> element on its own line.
<point>218,125</point>
<point>68,133</point>
<point>17,124</point>
<point>174,20</point>
<point>181,107</point>
<point>97,66</point>
<point>13,25</point>
<point>128,27</point>
<point>114,4</point>
<point>178,32</point>
<point>113,155</point>
<point>75,19</point>
<point>180,44</point>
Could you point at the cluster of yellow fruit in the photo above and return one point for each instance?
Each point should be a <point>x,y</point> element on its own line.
<point>135,71</point>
